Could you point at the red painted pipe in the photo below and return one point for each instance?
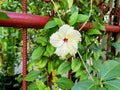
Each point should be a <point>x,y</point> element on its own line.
<point>24,48</point>
<point>109,28</point>
<point>36,21</point>
<point>47,0</point>
<point>24,20</point>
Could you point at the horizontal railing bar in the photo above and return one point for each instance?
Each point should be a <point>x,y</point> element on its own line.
<point>24,20</point>
<point>108,28</point>
<point>35,21</point>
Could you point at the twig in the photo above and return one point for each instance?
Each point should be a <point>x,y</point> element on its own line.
<point>88,16</point>
<point>85,66</point>
<point>57,11</point>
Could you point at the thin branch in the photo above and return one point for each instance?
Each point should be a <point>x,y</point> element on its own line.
<point>88,16</point>
<point>85,66</point>
<point>57,11</point>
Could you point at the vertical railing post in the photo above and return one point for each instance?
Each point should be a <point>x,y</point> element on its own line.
<point>24,49</point>
<point>116,21</point>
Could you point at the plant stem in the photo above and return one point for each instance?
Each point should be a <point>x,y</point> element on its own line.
<point>70,72</point>
<point>57,11</point>
<point>50,81</point>
<point>88,16</point>
<point>85,66</point>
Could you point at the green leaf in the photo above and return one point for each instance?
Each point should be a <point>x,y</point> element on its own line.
<point>76,64</point>
<point>87,40</point>
<point>83,85</point>
<point>103,88</point>
<point>41,40</point>
<point>40,85</point>
<point>4,44</point>
<point>94,32</point>
<point>97,54</point>
<point>63,68</point>
<point>50,24</point>
<point>97,65</point>
<point>77,74</point>
<point>70,3</point>
<point>97,1</point>
<point>50,66</point>
<point>47,88</point>
<point>49,50</point>
<point>110,70</point>
<point>94,87</point>
<point>31,64</point>
<point>73,18</point>
<point>55,88</point>
<point>65,83</point>
<point>32,86</point>
<point>3,16</point>
<point>57,62</point>
<point>64,4</point>
<point>117,46</point>
<point>59,22</point>
<point>98,26</point>
<point>32,75</point>
<point>37,53</point>
<point>74,8</point>
<point>82,18</point>
<point>97,87</point>
<point>43,62</point>
<point>113,85</point>
<point>82,74</point>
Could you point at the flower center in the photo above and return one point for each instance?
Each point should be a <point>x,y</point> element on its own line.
<point>65,39</point>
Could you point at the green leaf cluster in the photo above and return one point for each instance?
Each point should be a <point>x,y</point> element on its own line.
<point>107,80</point>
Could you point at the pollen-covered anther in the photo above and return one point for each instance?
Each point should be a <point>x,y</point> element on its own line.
<point>65,39</point>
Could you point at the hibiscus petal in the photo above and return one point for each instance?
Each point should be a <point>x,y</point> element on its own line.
<point>76,35</point>
<point>73,35</point>
<point>72,48</point>
<point>55,40</point>
<point>62,51</point>
<point>64,29</point>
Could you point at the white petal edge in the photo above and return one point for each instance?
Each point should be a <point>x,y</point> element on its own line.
<point>73,48</point>
<point>55,40</point>
<point>62,51</point>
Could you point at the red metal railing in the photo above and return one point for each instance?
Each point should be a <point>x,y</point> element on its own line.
<point>24,49</point>
<point>34,21</point>
<point>109,28</point>
<point>24,20</point>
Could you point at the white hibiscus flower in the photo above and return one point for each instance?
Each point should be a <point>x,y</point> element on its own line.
<point>65,40</point>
